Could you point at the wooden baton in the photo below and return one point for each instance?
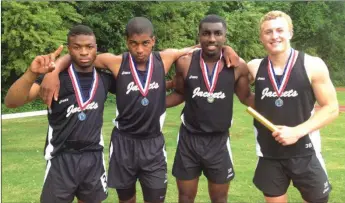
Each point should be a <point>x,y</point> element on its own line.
<point>262,119</point>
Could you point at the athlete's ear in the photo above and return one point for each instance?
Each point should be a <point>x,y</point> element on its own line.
<point>291,34</point>
<point>153,40</point>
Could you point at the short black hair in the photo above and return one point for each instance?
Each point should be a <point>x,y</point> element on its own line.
<point>79,30</point>
<point>212,19</point>
<point>139,25</point>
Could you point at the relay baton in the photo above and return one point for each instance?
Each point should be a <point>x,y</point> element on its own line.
<point>262,119</point>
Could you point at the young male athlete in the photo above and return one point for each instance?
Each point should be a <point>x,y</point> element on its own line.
<point>208,88</point>
<point>74,144</point>
<point>137,148</point>
<point>287,84</point>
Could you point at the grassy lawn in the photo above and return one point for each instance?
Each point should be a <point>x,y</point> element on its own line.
<point>23,165</point>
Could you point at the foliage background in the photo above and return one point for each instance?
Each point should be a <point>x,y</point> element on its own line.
<point>35,28</point>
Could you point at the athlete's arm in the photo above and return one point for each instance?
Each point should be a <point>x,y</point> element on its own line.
<point>176,97</point>
<point>51,84</point>
<point>242,88</point>
<point>231,57</point>
<point>253,67</point>
<point>169,56</point>
<point>24,90</point>
<point>326,97</point>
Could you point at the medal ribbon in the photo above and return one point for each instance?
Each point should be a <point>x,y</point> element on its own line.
<point>77,90</point>
<point>278,86</point>
<point>143,89</point>
<point>210,83</point>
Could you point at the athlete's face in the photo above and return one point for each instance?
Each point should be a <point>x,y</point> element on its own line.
<point>140,46</point>
<point>212,37</point>
<point>82,49</point>
<point>275,35</point>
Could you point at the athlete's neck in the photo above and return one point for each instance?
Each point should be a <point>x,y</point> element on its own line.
<point>210,58</point>
<point>141,66</point>
<point>84,69</point>
<point>279,60</point>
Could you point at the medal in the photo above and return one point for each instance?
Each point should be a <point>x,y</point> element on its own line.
<point>143,88</point>
<point>210,82</point>
<point>279,102</point>
<point>280,85</point>
<point>210,99</point>
<point>144,101</point>
<point>81,116</point>
<point>78,93</point>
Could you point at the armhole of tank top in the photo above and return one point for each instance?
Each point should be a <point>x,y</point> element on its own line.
<point>158,59</point>
<point>301,57</point>
<point>259,68</point>
<point>124,56</point>
<point>194,55</point>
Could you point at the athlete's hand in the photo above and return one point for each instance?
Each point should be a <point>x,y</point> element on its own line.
<point>50,88</point>
<point>231,57</point>
<point>287,135</point>
<point>45,63</point>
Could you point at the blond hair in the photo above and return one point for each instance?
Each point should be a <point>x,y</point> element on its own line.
<point>276,14</point>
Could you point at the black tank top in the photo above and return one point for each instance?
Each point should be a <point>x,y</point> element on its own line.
<point>65,130</point>
<point>298,106</point>
<point>133,118</point>
<point>200,116</point>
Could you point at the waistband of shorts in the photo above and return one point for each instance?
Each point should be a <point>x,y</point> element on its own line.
<point>141,136</point>
<point>225,133</point>
<point>79,146</point>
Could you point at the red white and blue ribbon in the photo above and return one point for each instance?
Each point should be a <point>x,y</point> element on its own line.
<point>210,83</point>
<point>143,88</point>
<point>82,101</point>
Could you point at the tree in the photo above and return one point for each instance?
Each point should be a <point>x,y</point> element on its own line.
<point>30,29</point>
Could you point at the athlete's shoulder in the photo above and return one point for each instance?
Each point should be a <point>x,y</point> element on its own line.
<point>103,71</point>
<point>255,63</point>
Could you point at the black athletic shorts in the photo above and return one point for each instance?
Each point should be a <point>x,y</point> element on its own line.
<point>308,175</point>
<point>210,153</point>
<point>80,175</point>
<point>134,158</point>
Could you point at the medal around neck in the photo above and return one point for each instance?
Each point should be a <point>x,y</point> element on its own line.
<point>145,101</point>
<point>279,102</point>
<point>210,99</point>
<point>210,82</point>
<point>81,116</point>
<point>82,101</point>
<point>143,88</point>
<point>280,85</point>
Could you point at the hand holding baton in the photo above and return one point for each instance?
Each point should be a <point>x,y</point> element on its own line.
<point>262,119</point>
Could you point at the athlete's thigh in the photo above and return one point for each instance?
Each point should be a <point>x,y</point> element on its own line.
<point>93,187</point>
<point>123,165</point>
<point>216,158</point>
<point>186,164</point>
<point>152,168</point>
<point>152,162</point>
<point>218,192</point>
<point>310,178</point>
<point>270,177</point>
<point>60,184</point>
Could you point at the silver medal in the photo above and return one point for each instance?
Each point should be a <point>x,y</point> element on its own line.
<point>81,116</point>
<point>279,102</point>
<point>210,100</point>
<point>145,101</point>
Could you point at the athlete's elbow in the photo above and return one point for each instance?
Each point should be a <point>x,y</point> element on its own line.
<point>333,111</point>
<point>10,104</point>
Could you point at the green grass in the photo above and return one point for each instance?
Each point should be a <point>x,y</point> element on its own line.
<point>341,98</point>
<point>23,165</point>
